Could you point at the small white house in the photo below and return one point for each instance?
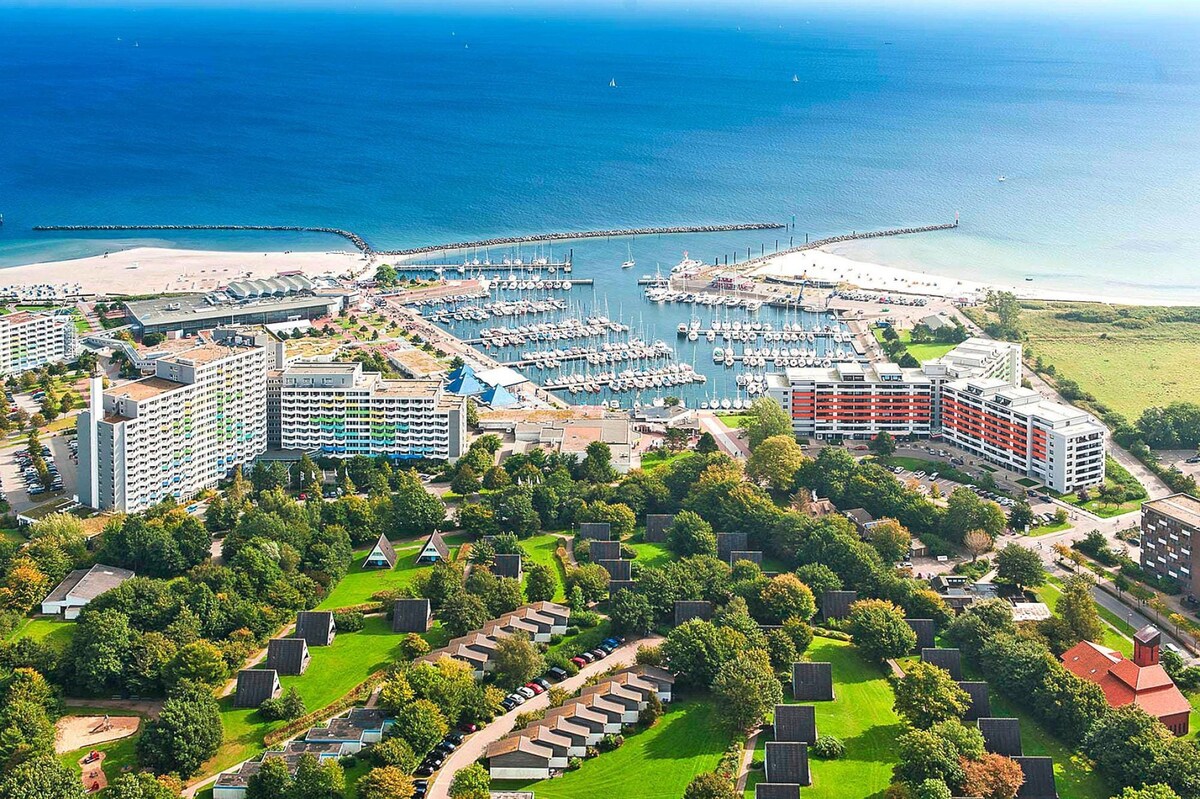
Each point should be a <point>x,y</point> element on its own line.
<point>81,587</point>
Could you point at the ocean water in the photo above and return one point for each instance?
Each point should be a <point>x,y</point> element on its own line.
<point>418,126</point>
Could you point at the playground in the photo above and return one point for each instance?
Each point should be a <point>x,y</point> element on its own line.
<point>85,732</point>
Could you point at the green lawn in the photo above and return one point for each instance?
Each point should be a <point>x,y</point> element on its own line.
<point>12,535</point>
<point>861,716</point>
<point>660,458</point>
<point>541,550</point>
<point>657,763</point>
<point>922,352</point>
<point>332,673</point>
<point>55,632</point>
<point>359,584</point>
<point>733,421</point>
<point>651,554</point>
<point>1073,774</point>
<point>1046,529</point>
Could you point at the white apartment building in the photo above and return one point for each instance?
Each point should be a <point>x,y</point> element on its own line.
<point>31,340</point>
<point>176,433</point>
<point>972,397</point>
<point>338,410</point>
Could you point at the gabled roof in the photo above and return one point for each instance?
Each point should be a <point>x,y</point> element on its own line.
<point>315,626</point>
<point>498,396</point>
<point>287,655</point>
<point>255,686</point>
<point>507,565</point>
<point>463,381</point>
<point>436,541</point>
<point>410,615</point>
<point>518,743</point>
<point>384,547</point>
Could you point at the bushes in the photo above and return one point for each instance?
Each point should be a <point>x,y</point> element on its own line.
<point>289,706</point>
<point>348,621</point>
<point>828,747</point>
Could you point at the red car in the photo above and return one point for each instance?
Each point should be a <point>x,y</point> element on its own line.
<point>537,689</point>
<point>578,661</point>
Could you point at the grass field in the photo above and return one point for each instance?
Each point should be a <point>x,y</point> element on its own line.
<point>1127,365</point>
<point>733,421</point>
<point>660,458</point>
<point>1073,774</point>
<point>657,763</point>
<point>922,352</point>
<point>55,632</point>
<point>1046,529</point>
<point>541,550</point>
<point>651,554</point>
<point>861,716</point>
<point>359,584</point>
<point>332,673</point>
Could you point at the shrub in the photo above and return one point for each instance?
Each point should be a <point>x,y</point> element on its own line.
<point>828,747</point>
<point>348,621</point>
<point>289,706</point>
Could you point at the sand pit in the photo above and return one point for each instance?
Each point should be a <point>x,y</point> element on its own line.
<point>78,732</point>
<point>93,776</point>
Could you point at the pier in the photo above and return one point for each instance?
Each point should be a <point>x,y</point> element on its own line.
<point>361,244</point>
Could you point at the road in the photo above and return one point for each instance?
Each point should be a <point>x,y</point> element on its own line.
<point>730,443</point>
<point>475,746</point>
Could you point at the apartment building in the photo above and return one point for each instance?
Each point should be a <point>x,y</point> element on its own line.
<point>32,340</point>
<point>1020,430</point>
<point>1170,526</point>
<point>338,410</point>
<point>175,433</point>
<point>971,396</point>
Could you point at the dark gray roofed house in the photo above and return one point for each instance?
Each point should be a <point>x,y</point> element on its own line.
<point>812,682</point>
<point>836,604</point>
<point>595,531</point>
<point>435,549</point>
<point>776,790</point>
<point>1039,778</point>
<point>507,566</point>
<point>411,616</point>
<point>255,686</point>
<point>925,630</point>
<point>604,550</point>
<point>81,587</point>
<point>287,655</point>
<point>617,569</point>
<point>981,703</point>
<point>796,723</point>
<point>730,542</point>
<point>861,518</point>
<point>382,555</point>
<point>316,627</point>
<point>948,659</point>
<point>1001,736</point>
<point>657,525</point>
<point>787,762</point>
<point>686,610</point>
<point>754,556</point>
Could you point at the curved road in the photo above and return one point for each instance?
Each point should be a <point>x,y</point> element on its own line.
<point>476,744</point>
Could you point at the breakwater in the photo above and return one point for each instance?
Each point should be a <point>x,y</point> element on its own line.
<point>361,243</point>
<point>873,234</point>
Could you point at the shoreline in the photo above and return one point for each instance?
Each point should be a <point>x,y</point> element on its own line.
<point>827,264</point>
<point>161,270</point>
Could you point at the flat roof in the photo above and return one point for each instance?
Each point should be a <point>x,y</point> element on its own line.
<point>144,389</point>
<point>207,353</point>
<point>1183,507</point>
<point>196,307</point>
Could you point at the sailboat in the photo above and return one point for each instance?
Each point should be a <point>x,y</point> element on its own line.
<point>795,78</point>
<point>629,263</point>
<point>612,84</point>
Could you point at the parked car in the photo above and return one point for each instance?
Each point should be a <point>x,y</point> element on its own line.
<point>454,737</point>
<point>598,654</point>
<point>526,692</point>
<point>424,771</point>
<point>445,746</point>
<point>507,703</point>
<point>555,673</point>
<point>533,686</point>
<point>468,727</point>
<point>542,683</point>
<point>516,697</point>
<point>579,661</point>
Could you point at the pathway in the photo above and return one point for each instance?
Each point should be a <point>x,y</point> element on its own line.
<point>475,746</point>
<point>730,444</point>
<point>744,762</point>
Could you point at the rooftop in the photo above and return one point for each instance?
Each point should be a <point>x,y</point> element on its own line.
<point>1181,507</point>
<point>144,389</point>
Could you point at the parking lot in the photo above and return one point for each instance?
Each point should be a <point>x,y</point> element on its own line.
<point>22,484</point>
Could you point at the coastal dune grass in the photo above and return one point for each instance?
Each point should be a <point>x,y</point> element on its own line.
<point>861,716</point>
<point>657,763</point>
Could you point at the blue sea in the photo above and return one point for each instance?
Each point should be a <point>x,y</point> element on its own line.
<point>416,125</point>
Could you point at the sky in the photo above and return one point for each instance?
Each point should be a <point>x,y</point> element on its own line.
<point>1182,7</point>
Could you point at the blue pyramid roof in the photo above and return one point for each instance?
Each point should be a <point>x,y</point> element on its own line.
<point>499,397</point>
<point>463,381</point>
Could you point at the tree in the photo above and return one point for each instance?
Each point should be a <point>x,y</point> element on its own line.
<point>764,419</point>
<point>472,782</point>
<point>927,694</point>
<point>41,777</point>
<point>466,482</point>
<point>591,580</point>
<point>422,724</point>
<point>596,466</point>
<point>517,661</point>
<point>691,535</point>
<point>992,777</point>
<point>514,511</point>
<point>271,781</point>
<point>977,542</point>
<point>707,444</point>
<point>931,788</point>
<point>746,688</point>
<point>631,613</point>
<point>1078,610</point>
<point>199,662</point>
<point>709,785</point>
<point>1157,791</point>
<point>496,478</point>
<point>142,786</point>
<point>186,733</point>
<point>785,597</point>
<point>890,539</point>
<point>819,578</point>
<point>385,782</point>
<point>775,462</point>
<point>414,511</point>
<point>883,444</point>
<point>1020,517</point>
<point>463,613</point>
<point>541,583</point>
<point>317,779</point>
<point>1020,566</point>
<point>697,649</point>
<point>879,629</point>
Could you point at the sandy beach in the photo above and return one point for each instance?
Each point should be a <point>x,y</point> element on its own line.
<point>824,265</point>
<point>149,270</point>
